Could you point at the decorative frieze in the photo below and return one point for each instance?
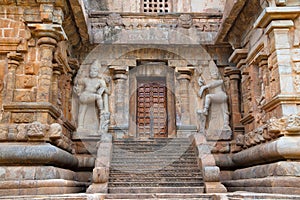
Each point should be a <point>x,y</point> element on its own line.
<point>273,129</point>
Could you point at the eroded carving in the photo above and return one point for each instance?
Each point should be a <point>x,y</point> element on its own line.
<point>35,129</point>
<point>114,20</point>
<point>185,21</point>
<point>90,90</point>
<point>216,95</point>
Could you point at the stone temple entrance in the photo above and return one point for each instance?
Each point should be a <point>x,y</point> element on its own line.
<point>152,108</point>
<point>152,104</point>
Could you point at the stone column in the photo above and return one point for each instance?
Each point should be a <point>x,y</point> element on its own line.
<point>184,82</point>
<point>120,94</point>
<point>48,35</point>
<point>13,63</point>
<point>184,78</point>
<point>55,89</point>
<point>234,75</point>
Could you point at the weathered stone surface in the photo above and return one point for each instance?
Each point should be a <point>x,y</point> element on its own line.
<point>23,153</point>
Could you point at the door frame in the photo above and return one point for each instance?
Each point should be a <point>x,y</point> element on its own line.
<point>152,70</point>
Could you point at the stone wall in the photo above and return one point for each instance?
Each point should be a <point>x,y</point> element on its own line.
<point>37,65</point>
<point>263,72</point>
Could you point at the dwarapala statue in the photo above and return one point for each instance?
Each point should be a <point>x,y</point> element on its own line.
<point>215,103</point>
<point>91,90</point>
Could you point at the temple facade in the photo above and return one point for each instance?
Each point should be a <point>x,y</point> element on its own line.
<point>176,99</point>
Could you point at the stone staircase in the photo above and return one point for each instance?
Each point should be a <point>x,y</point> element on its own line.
<point>154,166</point>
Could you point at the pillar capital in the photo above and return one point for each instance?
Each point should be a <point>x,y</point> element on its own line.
<point>233,73</point>
<point>120,72</point>
<point>184,73</point>
<point>238,55</point>
<point>54,31</point>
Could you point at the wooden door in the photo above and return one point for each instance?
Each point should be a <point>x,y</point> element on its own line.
<point>152,109</point>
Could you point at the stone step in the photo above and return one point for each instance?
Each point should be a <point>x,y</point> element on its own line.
<point>185,173</point>
<point>155,184</point>
<point>160,196</point>
<point>157,160</point>
<point>152,155</point>
<point>150,150</point>
<point>150,167</point>
<point>155,179</point>
<point>154,163</point>
<point>138,190</point>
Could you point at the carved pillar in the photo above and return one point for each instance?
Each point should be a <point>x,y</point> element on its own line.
<point>234,75</point>
<point>185,129</point>
<point>55,90</point>
<point>48,35</point>
<point>120,78</point>
<point>184,78</point>
<point>47,46</point>
<point>120,107</point>
<point>13,63</point>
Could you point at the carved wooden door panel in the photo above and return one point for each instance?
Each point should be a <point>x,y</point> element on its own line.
<point>151,109</point>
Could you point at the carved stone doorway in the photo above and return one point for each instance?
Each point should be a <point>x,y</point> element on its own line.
<point>152,101</point>
<point>152,108</point>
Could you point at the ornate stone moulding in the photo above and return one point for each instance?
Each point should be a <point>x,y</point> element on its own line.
<point>276,13</point>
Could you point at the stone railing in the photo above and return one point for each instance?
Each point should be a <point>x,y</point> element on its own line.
<point>207,164</point>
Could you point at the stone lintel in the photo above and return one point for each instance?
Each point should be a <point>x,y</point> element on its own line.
<point>286,147</point>
<point>276,13</point>
<point>247,119</point>
<point>177,63</point>
<point>36,154</point>
<point>237,55</point>
<point>122,63</point>
<point>279,24</point>
<point>280,100</point>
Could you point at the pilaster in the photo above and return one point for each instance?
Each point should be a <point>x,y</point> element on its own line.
<point>183,78</point>
<point>278,24</point>
<point>120,94</point>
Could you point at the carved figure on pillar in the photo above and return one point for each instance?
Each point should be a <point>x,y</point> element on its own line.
<point>216,96</point>
<point>90,90</point>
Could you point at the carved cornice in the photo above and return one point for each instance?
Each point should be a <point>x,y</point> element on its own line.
<point>238,55</point>
<point>247,119</point>
<point>33,107</point>
<point>276,13</point>
<point>281,99</point>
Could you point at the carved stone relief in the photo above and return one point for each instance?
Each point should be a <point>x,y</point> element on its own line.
<point>92,92</point>
<point>215,110</point>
